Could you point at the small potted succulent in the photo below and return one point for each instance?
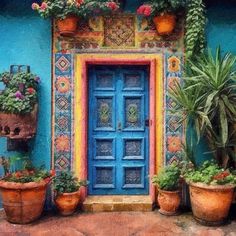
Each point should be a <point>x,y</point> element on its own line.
<point>167,182</point>
<point>18,105</point>
<point>23,191</point>
<point>211,192</point>
<point>67,12</point>
<point>163,13</point>
<point>66,187</point>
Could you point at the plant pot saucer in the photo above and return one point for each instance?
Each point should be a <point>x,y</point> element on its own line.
<point>167,213</point>
<point>210,223</point>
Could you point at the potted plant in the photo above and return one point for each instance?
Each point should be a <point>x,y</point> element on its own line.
<point>211,192</point>
<point>18,105</point>
<point>23,192</point>
<point>206,102</point>
<point>163,13</point>
<point>66,187</point>
<point>67,12</point>
<point>167,182</point>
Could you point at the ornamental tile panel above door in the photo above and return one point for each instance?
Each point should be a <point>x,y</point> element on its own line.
<point>118,138</point>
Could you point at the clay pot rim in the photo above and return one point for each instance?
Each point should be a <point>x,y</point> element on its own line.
<point>165,14</point>
<point>68,194</point>
<point>169,192</point>
<point>22,186</point>
<point>212,187</point>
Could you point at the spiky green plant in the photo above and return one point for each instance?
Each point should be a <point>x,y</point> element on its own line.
<point>208,99</point>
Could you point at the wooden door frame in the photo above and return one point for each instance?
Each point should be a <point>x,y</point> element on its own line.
<point>81,108</point>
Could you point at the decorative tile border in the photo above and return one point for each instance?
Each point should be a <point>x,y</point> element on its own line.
<point>173,130</point>
<point>63,112</point>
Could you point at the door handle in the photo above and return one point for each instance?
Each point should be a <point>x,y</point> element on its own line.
<point>119,126</point>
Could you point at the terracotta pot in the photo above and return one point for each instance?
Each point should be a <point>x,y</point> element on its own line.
<point>67,26</point>
<point>169,202</point>
<point>165,24</point>
<point>67,203</point>
<point>211,204</point>
<point>16,126</point>
<point>23,203</point>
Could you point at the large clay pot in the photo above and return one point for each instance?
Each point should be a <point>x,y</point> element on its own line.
<point>165,23</point>
<point>169,202</point>
<point>211,204</point>
<point>23,202</point>
<point>67,26</point>
<point>16,126</point>
<point>67,203</point>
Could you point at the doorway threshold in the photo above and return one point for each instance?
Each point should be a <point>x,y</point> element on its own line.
<point>112,203</point>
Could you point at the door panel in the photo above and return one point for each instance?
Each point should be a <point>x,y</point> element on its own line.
<point>118,138</point>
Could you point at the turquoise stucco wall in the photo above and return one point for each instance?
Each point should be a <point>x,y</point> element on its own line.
<point>221,26</point>
<point>26,39</point>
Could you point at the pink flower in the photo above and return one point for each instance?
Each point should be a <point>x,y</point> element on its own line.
<point>145,10</point>
<point>35,6</point>
<point>112,5</point>
<point>44,6</point>
<point>19,95</point>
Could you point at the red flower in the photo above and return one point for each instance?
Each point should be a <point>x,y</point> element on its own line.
<point>18,174</point>
<point>221,175</point>
<point>44,6</point>
<point>145,10</point>
<point>31,90</point>
<point>112,5</point>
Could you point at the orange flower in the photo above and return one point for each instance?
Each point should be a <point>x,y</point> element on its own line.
<point>63,143</point>
<point>63,84</point>
<point>174,143</point>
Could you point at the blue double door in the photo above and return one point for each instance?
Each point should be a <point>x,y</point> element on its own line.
<point>118,160</point>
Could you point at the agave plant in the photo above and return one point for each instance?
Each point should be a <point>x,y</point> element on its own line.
<point>207,100</point>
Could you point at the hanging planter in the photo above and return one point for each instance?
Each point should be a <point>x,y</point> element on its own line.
<point>18,104</point>
<point>17,126</point>
<point>162,13</point>
<point>165,24</point>
<point>67,13</point>
<point>67,26</point>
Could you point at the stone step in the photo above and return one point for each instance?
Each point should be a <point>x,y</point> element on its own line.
<point>117,203</point>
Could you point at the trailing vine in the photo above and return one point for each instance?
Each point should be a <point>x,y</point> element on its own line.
<point>195,28</point>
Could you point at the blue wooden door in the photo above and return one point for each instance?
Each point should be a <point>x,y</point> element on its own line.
<point>118,157</point>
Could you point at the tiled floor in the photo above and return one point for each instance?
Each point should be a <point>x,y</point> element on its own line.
<point>116,224</point>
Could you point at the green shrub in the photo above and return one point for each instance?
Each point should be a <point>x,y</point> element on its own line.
<point>168,178</point>
<point>66,182</point>
<point>210,173</point>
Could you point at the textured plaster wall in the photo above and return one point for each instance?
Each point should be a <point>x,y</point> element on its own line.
<point>221,27</point>
<point>26,39</point>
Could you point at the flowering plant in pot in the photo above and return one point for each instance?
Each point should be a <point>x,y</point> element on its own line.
<point>23,190</point>
<point>66,187</point>
<point>67,12</point>
<point>211,191</point>
<point>167,182</point>
<point>18,105</point>
<point>163,13</point>
<point>206,101</point>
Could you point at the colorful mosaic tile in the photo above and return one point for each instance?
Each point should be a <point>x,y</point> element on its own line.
<point>174,127</point>
<point>119,31</point>
<point>63,95</point>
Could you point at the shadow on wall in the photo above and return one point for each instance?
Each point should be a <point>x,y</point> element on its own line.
<point>221,27</point>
